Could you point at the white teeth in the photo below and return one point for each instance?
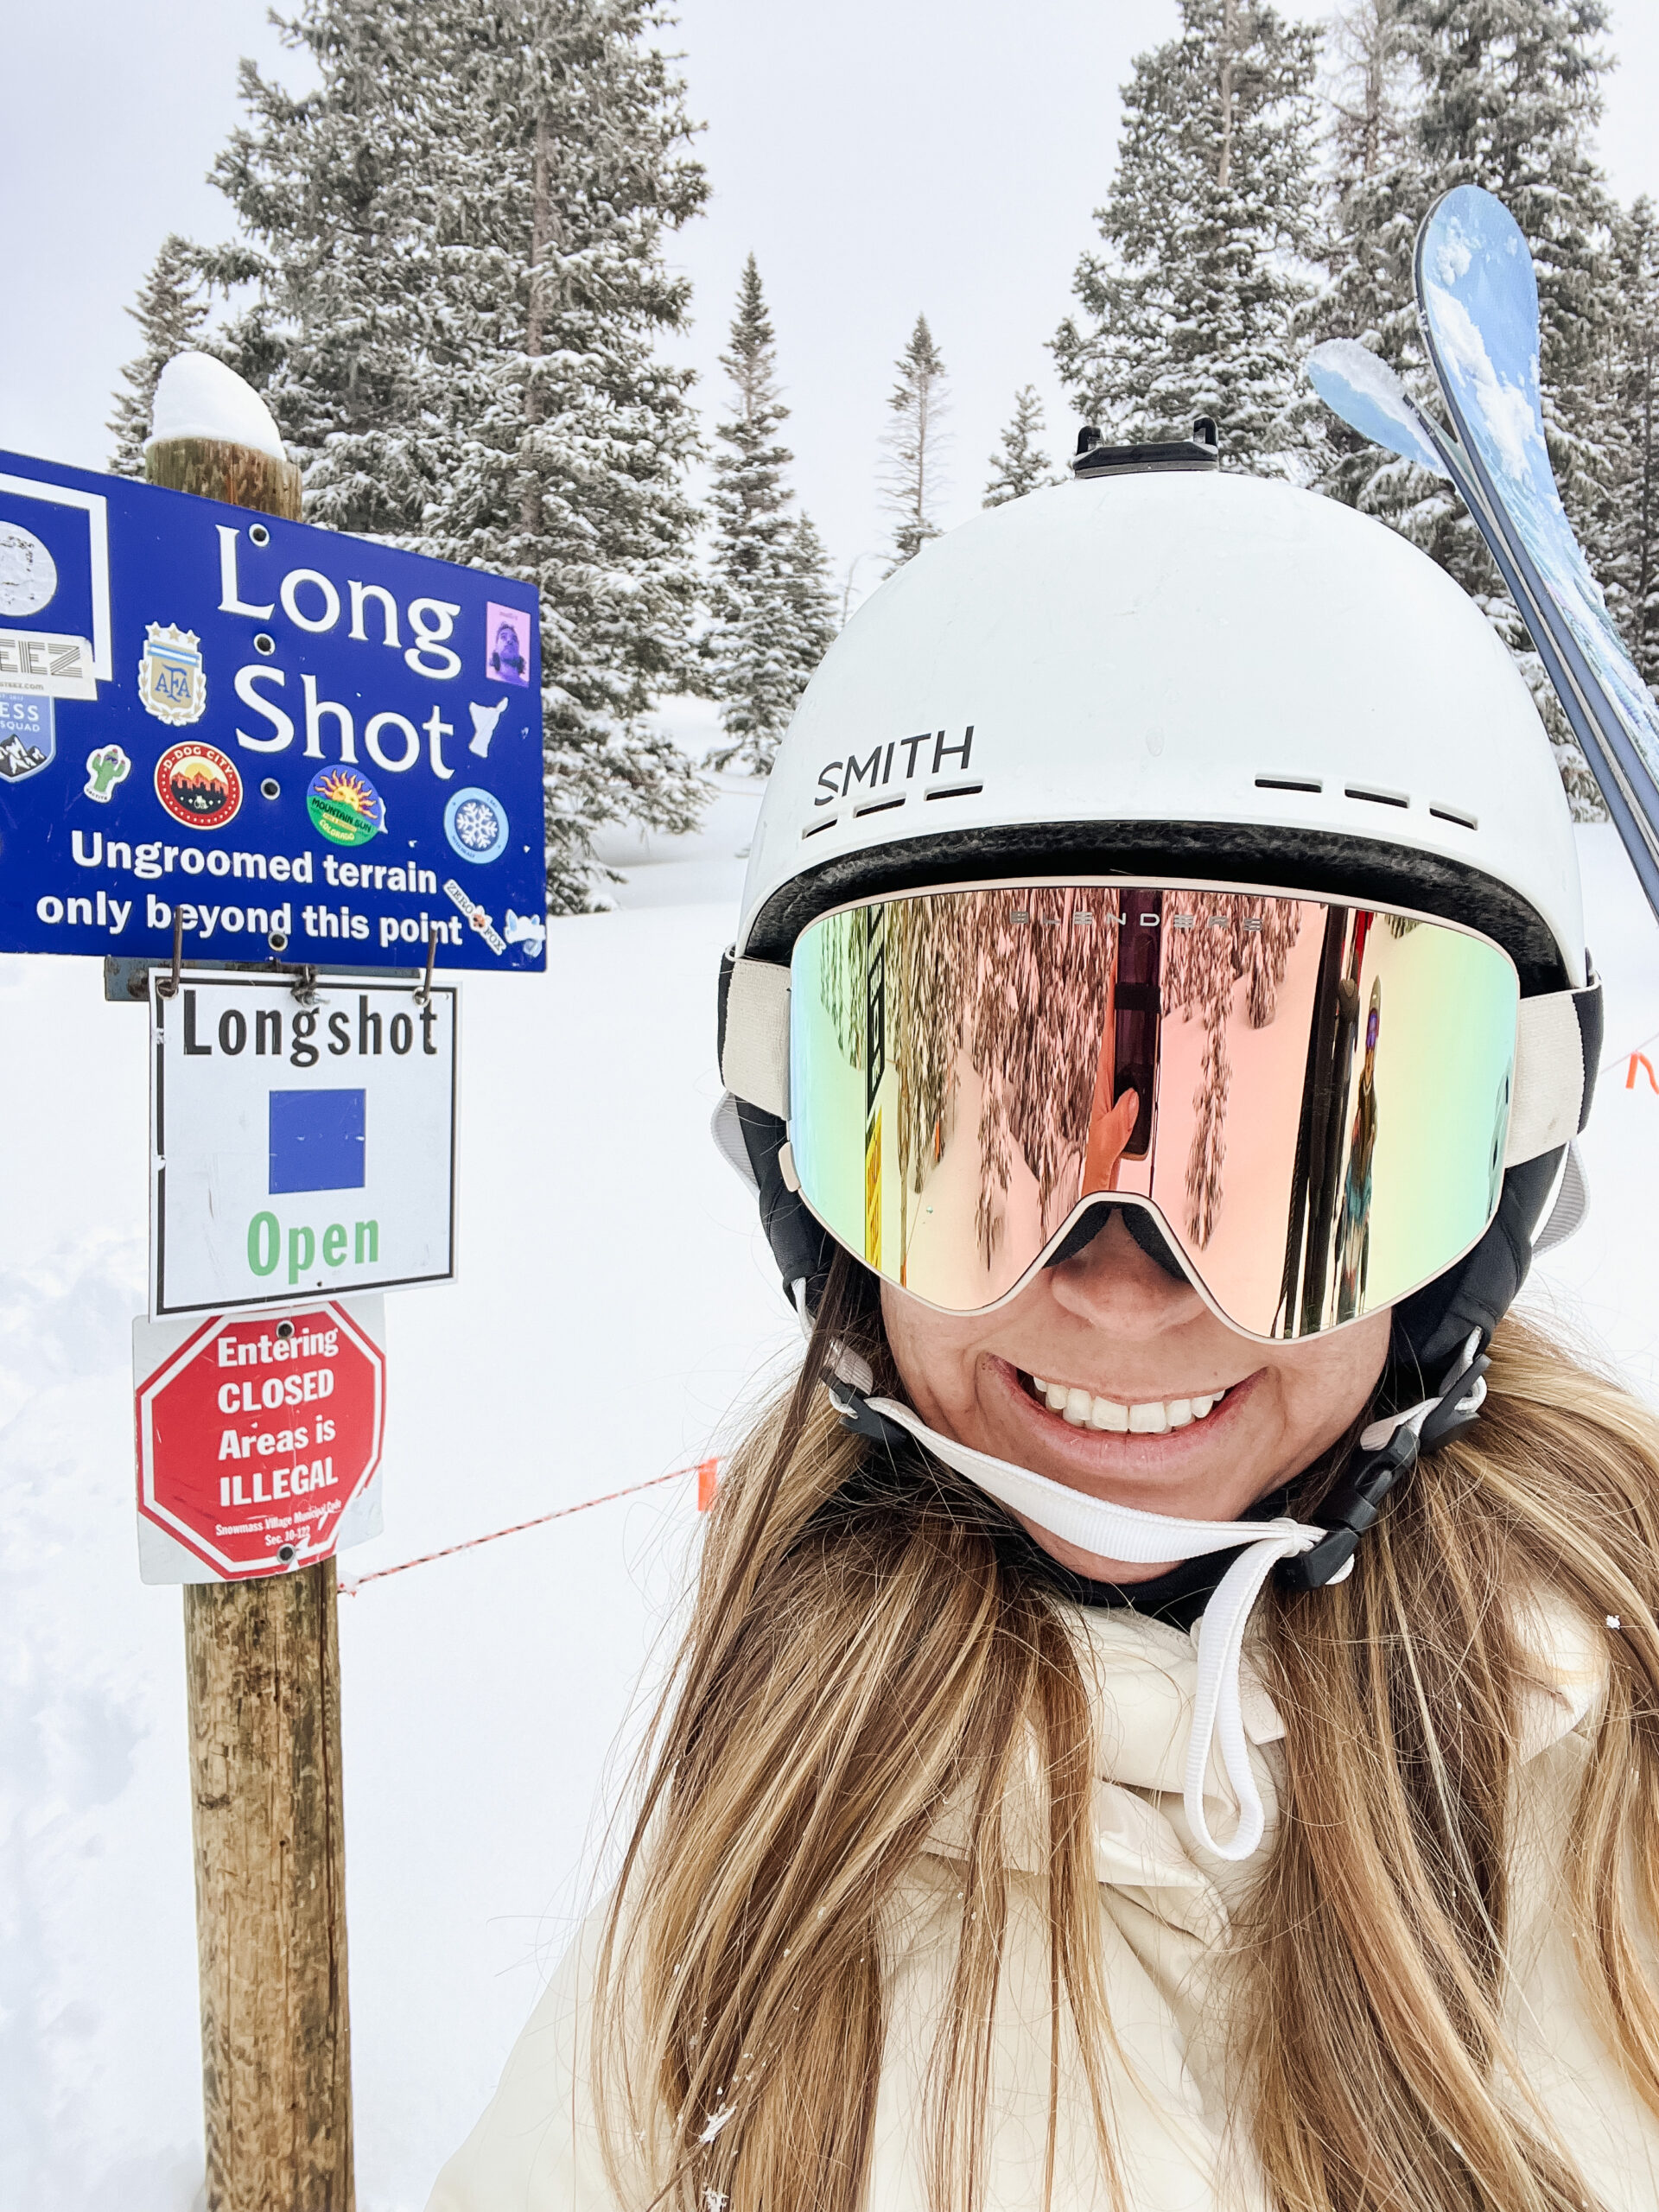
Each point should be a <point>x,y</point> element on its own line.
<point>1080,1408</point>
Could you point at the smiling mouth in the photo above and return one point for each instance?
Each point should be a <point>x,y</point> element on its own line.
<point>1080,1408</point>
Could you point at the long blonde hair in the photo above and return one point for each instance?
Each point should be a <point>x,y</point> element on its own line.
<point>858,1656</point>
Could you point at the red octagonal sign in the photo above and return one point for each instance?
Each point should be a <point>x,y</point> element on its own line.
<point>257,1433</point>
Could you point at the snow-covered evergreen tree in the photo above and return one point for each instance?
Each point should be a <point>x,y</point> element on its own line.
<point>338,195</point>
<point>770,594</point>
<point>1626,529</point>
<point>170,310</point>
<point>1503,93</point>
<point>1374,184</point>
<point>457,246</point>
<point>1021,466</point>
<point>1192,307</point>
<point>913,480</point>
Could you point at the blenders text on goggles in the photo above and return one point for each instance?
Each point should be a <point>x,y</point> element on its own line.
<point>1316,1100</point>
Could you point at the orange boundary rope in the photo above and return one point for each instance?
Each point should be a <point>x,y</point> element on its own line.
<point>704,1470</point>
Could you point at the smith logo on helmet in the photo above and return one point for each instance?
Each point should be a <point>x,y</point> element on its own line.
<point>841,779</point>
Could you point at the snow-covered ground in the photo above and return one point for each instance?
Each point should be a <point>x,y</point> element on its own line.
<point>616,1314</point>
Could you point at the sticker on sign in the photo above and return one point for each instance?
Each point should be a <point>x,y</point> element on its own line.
<point>298,1148</point>
<point>313,730</point>
<point>258,1439</point>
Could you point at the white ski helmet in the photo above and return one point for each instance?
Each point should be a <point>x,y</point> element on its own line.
<point>1172,668</point>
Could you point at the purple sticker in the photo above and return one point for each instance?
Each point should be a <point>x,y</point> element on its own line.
<point>507,656</point>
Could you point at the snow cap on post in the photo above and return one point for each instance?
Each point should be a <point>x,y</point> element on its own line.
<point>197,396</point>
<point>213,435</point>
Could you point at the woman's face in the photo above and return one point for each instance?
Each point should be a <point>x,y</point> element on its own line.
<point>1137,1350</point>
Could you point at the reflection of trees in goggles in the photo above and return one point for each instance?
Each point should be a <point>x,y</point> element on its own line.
<point>1026,981</point>
<point>968,1066</point>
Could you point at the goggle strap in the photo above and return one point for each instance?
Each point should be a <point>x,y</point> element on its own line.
<point>1557,1048</point>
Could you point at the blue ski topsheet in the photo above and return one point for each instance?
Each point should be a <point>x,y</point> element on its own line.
<point>1478,299</point>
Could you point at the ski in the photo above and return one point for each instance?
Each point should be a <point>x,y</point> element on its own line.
<point>1478,305</point>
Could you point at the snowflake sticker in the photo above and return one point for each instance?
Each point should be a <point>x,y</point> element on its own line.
<point>475,823</point>
<point>476,826</point>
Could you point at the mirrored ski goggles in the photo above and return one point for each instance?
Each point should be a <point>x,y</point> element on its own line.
<point>1313,1100</point>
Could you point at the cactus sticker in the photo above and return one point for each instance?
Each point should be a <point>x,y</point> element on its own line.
<point>344,806</point>
<point>105,768</point>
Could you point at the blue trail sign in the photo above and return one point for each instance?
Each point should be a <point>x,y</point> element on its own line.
<point>303,742</point>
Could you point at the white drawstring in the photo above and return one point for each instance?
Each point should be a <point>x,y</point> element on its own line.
<point>1217,1714</point>
<point>1119,1532</point>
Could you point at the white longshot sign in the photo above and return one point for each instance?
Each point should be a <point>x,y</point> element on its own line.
<point>298,1148</point>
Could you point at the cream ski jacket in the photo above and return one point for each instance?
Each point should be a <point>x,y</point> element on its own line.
<point>1164,1908</point>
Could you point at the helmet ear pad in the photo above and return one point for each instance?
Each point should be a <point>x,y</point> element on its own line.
<point>803,1249</point>
<point>1431,1326</point>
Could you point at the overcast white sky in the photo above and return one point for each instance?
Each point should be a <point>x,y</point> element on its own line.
<point>880,157</point>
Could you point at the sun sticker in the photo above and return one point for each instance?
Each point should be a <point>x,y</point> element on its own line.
<point>198,785</point>
<point>344,806</point>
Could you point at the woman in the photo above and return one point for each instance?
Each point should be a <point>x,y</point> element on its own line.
<point>1146,1737</point>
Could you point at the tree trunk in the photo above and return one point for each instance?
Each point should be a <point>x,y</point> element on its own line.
<point>262,1662</point>
<point>1229,46</point>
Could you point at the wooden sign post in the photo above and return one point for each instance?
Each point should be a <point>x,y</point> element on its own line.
<point>262,1666</point>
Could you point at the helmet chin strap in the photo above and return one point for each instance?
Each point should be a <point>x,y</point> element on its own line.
<point>1308,1556</point>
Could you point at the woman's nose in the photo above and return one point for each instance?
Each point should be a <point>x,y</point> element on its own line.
<point>1112,1284</point>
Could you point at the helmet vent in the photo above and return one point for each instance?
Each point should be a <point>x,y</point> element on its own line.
<point>1451,814</point>
<point>1288,784</point>
<point>955,791</point>
<point>1201,451</point>
<point>1376,798</point>
<point>817,829</point>
<point>878,806</point>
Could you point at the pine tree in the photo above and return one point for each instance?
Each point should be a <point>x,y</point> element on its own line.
<point>1021,466</point>
<point>1374,183</point>
<point>1192,309</point>
<point>1503,94</point>
<point>912,479</point>
<point>171,310</point>
<point>338,197</point>
<point>774,616</point>
<point>456,243</point>
<point>1626,530</point>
